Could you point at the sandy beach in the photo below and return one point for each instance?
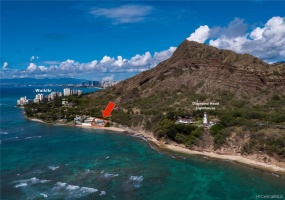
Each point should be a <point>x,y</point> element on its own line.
<point>240,159</point>
<point>174,147</point>
<point>116,129</point>
<point>36,120</point>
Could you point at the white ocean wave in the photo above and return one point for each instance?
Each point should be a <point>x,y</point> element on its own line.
<point>37,171</point>
<point>21,185</point>
<point>31,181</point>
<point>88,190</point>
<point>61,184</point>
<point>71,191</point>
<point>44,195</point>
<point>275,174</point>
<point>53,167</point>
<point>72,187</point>
<point>80,192</point>
<point>12,138</point>
<point>107,175</point>
<point>32,137</point>
<point>141,137</point>
<point>102,193</point>
<point>4,133</point>
<point>136,181</point>
<point>44,181</point>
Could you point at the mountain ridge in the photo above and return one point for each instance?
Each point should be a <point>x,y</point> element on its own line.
<point>206,68</point>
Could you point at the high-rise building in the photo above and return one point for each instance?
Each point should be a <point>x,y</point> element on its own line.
<point>53,95</point>
<point>96,83</point>
<point>39,98</point>
<point>66,92</point>
<point>23,100</point>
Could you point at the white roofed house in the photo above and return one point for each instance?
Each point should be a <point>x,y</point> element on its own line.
<point>184,121</point>
<point>64,102</point>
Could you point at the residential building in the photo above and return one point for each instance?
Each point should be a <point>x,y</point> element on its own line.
<point>23,101</point>
<point>53,95</point>
<point>39,98</point>
<point>66,92</point>
<point>95,83</point>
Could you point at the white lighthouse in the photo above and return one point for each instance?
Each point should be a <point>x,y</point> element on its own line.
<point>205,119</point>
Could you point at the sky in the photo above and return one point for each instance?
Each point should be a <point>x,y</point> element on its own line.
<point>114,40</point>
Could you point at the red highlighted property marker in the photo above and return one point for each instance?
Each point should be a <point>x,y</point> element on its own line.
<point>108,109</point>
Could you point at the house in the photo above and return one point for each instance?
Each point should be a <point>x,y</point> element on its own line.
<point>184,121</point>
<point>64,102</point>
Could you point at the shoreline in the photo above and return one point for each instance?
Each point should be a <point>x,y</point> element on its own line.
<point>175,148</point>
<point>239,159</point>
<point>159,145</point>
<point>111,128</point>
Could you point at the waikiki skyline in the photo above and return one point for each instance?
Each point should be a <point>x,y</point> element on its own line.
<point>116,40</point>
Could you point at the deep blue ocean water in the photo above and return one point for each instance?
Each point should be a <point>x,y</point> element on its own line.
<point>42,161</point>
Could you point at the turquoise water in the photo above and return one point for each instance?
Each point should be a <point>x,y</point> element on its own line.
<point>41,161</point>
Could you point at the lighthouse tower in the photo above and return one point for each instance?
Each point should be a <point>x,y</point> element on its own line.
<point>205,119</point>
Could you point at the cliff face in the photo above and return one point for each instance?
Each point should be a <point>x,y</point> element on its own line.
<point>207,69</point>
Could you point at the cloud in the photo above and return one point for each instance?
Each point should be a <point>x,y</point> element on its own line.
<point>51,62</point>
<point>34,58</point>
<point>43,68</point>
<point>108,78</point>
<point>106,59</point>
<point>266,42</point>
<point>163,55</point>
<point>141,60</point>
<point>32,67</point>
<point>200,35</point>
<point>235,28</point>
<point>72,68</point>
<point>5,65</point>
<point>123,14</point>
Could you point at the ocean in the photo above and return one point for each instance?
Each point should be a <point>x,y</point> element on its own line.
<point>44,161</point>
